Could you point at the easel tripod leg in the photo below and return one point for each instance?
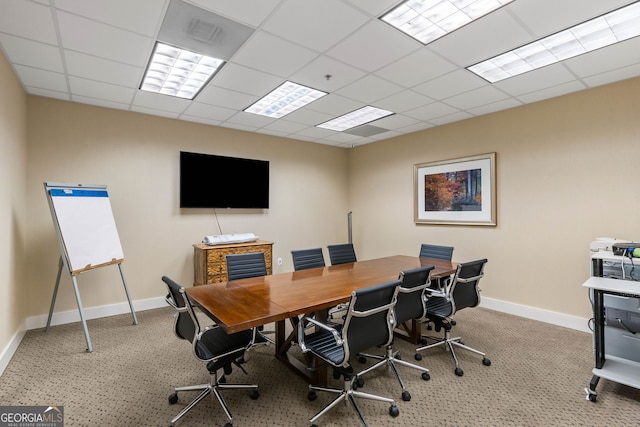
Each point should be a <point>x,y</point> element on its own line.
<point>80,309</point>
<point>126,291</point>
<point>55,293</point>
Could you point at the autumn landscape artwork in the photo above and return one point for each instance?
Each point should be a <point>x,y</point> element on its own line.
<point>453,191</point>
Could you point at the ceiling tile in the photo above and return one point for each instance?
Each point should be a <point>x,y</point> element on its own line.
<point>104,41</point>
<point>43,79</point>
<point>29,20</point>
<point>373,46</point>
<point>369,89</point>
<point>274,55</point>
<point>429,112</point>
<point>415,68</point>
<point>142,16</point>
<point>94,68</point>
<point>315,74</point>
<point>476,97</point>
<point>332,21</point>
<point>450,84</point>
<point>222,97</point>
<point>100,90</point>
<point>403,101</point>
<point>210,112</point>
<point>30,53</point>
<point>245,80</point>
<point>160,102</point>
<point>251,12</point>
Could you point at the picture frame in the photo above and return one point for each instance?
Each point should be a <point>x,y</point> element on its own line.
<point>458,191</point>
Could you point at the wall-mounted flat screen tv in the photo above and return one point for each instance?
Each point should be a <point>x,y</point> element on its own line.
<point>212,181</point>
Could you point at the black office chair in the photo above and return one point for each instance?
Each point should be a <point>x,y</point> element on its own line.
<point>342,253</point>
<point>369,322</point>
<point>304,259</point>
<point>436,251</point>
<point>243,266</point>
<point>410,306</point>
<point>212,345</point>
<point>441,305</point>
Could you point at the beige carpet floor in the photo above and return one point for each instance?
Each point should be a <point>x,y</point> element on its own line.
<point>537,378</point>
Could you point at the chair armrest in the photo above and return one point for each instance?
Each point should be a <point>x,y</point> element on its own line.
<point>438,293</point>
<point>305,322</point>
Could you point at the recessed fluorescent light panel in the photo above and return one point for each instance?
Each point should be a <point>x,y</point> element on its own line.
<point>284,99</point>
<point>178,72</point>
<point>428,20</point>
<point>614,27</point>
<point>355,118</point>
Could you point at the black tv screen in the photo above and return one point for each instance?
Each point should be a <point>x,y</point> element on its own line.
<point>211,181</point>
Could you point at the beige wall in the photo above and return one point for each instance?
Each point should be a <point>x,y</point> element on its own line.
<point>565,175</point>
<point>13,202</point>
<point>137,157</point>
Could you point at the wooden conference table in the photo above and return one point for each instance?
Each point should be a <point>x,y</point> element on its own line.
<point>247,303</point>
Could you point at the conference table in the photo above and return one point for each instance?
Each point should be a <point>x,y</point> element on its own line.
<point>243,304</point>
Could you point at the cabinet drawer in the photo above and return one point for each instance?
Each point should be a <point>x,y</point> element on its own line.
<point>210,262</point>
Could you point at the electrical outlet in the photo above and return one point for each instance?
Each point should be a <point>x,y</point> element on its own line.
<point>279,261</point>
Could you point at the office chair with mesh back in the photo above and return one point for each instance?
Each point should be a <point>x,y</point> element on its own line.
<point>342,253</point>
<point>436,251</point>
<point>243,266</point>
<point>212,345</point>
<point>410,305</point>
<point>304,259</point>
<point>369,322</point>
<point>441,305</point>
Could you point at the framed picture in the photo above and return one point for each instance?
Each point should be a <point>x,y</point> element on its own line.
<point>457,191</point>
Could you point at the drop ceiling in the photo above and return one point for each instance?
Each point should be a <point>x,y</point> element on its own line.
<point>95,52</point>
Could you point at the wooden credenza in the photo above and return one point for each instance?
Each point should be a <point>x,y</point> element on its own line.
<point>210,263</point>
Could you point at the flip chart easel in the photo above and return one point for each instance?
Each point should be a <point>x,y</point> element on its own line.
<point>87,237</point>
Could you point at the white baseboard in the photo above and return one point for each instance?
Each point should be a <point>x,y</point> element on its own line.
<point>71,316</point>
<point>10,349</point>
<point>555,318</point>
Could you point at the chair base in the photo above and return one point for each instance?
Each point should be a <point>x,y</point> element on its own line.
<point>450,343</point>
<point>214,388</point>
<point>391,359</point>
<point>347,394</point>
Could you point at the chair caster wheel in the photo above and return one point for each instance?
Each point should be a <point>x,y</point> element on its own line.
<point>406,396</point>
<point>228,425</point>
<point>312,395</point>
<point>592,397</point>
<point>222,380</point>
<point>418,356</point>
<point>254,394</point>
<point>459,372</point>
<point>426,376</point>
<point>359,383</point>
<point>362,359</point>
<point>486,362</point>
<point>173,398</point>
<point>394,411</point>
